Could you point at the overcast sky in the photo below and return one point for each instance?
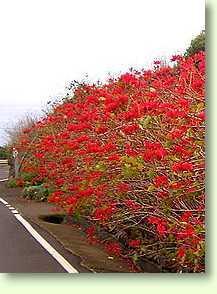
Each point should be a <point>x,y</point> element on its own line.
<point>46,43</point>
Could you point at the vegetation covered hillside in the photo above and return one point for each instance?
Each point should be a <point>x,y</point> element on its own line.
<point>128,158</point>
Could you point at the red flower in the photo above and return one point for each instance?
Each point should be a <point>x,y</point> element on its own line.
<point>59,182</point>
<point>93,148</point>
<point>133,205</point>
<point>39,155</point>
<point>163,194</point>
<point>182,166</point>
<point>109,147</point>
<point>114,157</point>
<point>20,182</point>
<point>160,224</point>
<point>83,138</point>
<point>161,228</point>
<point>113,248</point>
<point>181,252</point>
<point>177,133</point>
<point>161,181</point>
<point>86,193</point>
<point>123,187</point>
<point>71,200</point>
<point>134,243</point>
<point>202,115</point>
<point>103,214</point>
<point>129,79</point>
<point>56,197</point>
<point>186,216</point>
<point>130,129</point>
<point>90,231</point>
<point>154,220</point>
<point>130,151</point>
<point>95,175</point>
<point>188,232</point>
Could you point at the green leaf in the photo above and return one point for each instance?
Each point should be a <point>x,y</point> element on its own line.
<point>151,188</point>
<point>168,144</point>
<point>200,106</point>
<point>129,172</point>
<point>135,257</point>
<point>145,121</point>
<point>150,173</point>
<point>100,167</point>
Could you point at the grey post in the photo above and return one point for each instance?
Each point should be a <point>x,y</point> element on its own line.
<point>16,163</point>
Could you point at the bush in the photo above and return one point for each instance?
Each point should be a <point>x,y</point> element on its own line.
<point>39,193</point>
<point>4,153</point>
<point>12,183</point>
<point>129,157</point>
<point>197,44</point>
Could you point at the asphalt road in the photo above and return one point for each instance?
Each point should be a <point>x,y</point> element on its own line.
<point>4,169</point>
<point>19,251</point>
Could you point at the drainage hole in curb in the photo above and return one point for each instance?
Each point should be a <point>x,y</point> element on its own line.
<point>54,218</point>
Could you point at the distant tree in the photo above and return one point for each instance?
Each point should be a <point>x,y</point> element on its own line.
<point>14,132</point>
<point>197,44</point>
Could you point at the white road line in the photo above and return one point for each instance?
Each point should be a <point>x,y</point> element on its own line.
<point>14,211</point>
<point>3,201</point>
<point>10,207</point>
<point>59,258</point>
<point>3,180</point>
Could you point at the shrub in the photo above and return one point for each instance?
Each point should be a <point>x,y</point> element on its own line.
<point>12,183</point>
<point>4,153</point>
<point>129,155</point>
<point>39,193</point>
<point>197,44</point>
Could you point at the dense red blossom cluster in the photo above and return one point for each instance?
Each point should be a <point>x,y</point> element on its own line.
<point>129,156</point>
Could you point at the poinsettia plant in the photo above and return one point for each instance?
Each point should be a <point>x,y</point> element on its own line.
<point>129,156</point>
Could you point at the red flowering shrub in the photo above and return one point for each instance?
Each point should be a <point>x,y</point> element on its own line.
<point>129,156</point>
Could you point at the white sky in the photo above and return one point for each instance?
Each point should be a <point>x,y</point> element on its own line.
<point>45,43</point>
